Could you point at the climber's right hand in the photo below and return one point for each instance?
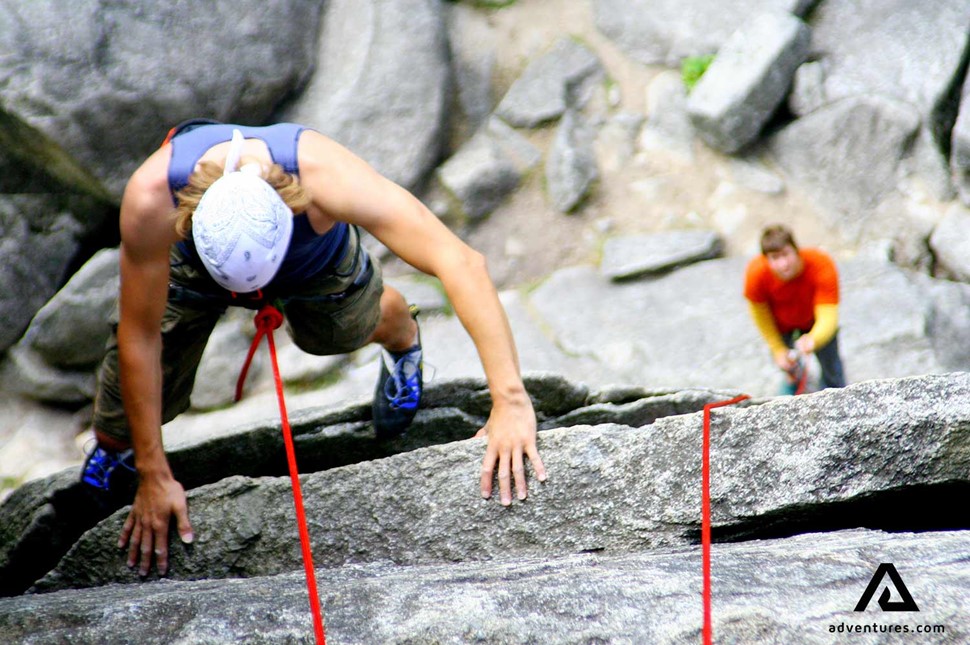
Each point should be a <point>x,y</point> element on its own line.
<point>145,532</point>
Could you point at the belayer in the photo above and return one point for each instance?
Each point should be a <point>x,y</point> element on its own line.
<point>793,295</point>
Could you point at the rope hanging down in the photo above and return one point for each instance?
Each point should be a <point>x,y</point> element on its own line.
<point>706,510</point>
<point>267,319</point>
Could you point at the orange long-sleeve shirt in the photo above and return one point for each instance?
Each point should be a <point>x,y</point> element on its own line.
<point>804,302</point>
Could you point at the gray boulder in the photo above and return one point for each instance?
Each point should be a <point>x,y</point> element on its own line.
<point>668,31</point>
<point>848,155</point>
<point>42,519</point>
<point>801,589</point>
<point>75,73</point>
<point>560,79</point>
<point>27,373</point>
<point>35,252</point>
<point>571,167</point>
<point>487,168</point>
<point>89,89</point>
<point>748,79</point>
<point>951,244</point>
<point>380,83</point>
<point>668,129</point>
<point>634,256</point>
<point>808,88</point>
<point>909,52</point>
<point>473,49</point>
<point>70,331</point>
<point>860,450</point>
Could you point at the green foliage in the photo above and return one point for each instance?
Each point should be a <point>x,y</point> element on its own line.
<point>693,67</point>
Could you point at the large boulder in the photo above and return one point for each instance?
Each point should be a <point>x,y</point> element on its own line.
<point>487,168</point>
<point>748,80</point>
<point>835,459</point>
<point>797,590</point>
<point>634,256</point>
<point>668,31</point>
<point>571,169</point>
<point>99,83</point>
<point>38,242</point>
<point>88,90</point>
<point>70,331</point>
<point>41,520</point>
<point>380,84</point>
<point>848,155</point>
<point>559,79</point>
<point>909,52</point>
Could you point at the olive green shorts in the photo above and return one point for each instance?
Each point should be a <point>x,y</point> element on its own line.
<point>334,313</point>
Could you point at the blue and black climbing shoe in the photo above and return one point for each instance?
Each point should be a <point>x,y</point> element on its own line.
<point>398,392</point>
<point>108,471</point>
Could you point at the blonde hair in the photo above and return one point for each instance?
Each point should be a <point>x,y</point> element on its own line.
<point>206,173</point>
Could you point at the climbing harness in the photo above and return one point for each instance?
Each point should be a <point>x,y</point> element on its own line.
<point>267,319</point>
<point>706,510</point>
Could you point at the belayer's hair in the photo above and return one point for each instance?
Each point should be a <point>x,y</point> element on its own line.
<point>288,186</point>
<point>775,238</point>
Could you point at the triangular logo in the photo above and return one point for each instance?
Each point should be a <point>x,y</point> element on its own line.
<point>906,604</point>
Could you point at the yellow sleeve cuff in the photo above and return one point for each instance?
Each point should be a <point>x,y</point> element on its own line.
<point>765,322</point>
<point>826,324</point>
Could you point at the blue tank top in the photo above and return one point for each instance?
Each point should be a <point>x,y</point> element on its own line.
<point>309,253</point>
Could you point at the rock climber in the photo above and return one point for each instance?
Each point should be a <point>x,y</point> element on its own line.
<point>228,215</point>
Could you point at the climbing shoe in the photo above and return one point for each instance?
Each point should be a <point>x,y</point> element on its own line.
<point>398,391</point>
<point>109,471</point>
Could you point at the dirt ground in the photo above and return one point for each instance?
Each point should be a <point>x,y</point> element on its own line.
<point>526,239</point>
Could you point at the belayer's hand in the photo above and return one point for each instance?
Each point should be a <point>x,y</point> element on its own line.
<point>146,530</point>
<point>511,433</point>
<point>805,344</point>
<point>783,360</point>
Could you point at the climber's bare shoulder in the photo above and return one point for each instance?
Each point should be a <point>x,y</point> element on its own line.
<point>147,222</point>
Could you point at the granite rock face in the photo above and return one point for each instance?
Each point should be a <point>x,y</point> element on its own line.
<point>612,533</point>
<point>74,72</point>
<point>802,589</point>
<point>781,467</point>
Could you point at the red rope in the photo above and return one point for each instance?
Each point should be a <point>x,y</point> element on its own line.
<point>802,376</point>
<point>798,373</point>
<point>706,510</point>
<point>267,319</point>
